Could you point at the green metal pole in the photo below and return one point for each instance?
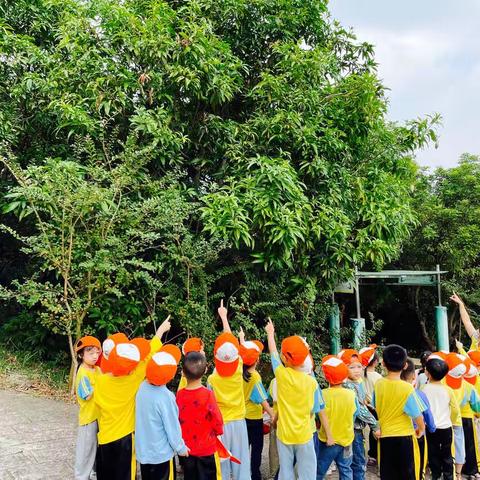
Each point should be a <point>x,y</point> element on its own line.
<point>441,328</point>
<point>334,329</point>
<point>358,332</point>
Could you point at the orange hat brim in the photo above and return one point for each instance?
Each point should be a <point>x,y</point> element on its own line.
<point>453,382</point>
<point>225,369</point>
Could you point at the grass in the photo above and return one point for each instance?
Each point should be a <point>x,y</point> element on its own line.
<point>22,371</point>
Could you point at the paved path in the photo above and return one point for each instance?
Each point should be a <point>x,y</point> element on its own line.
<point>37,438</point>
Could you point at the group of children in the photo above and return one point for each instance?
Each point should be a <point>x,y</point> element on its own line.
<point>127,413</point>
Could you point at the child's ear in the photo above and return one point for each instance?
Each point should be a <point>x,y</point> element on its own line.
<point>405,366</point>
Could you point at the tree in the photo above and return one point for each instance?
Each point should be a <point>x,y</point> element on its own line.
<point>269,115</point>
<point>447,205</point>
<point>99,232</point>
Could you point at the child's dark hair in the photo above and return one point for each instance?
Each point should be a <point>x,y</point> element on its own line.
<point>372,361</point>
<point>246,374</point>
<point>394,358</point>
<point>408,370</point>
<point>437,368</point>
<point>194,365</point>
<point>423,359</point>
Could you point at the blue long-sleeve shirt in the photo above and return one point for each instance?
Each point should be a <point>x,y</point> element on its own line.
<point>427,414</point>
<point>158,435</point>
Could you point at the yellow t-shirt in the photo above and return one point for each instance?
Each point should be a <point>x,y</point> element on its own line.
<point>229,394</point>
<point>84,387</point>
<point>115,397</point>
<point>182,383</point>
<point>396,404</point>
<point>254,394</point>
<point>471,397</point>
<point>340,407</point>
<point>295,402</point>
<point>455,415</point>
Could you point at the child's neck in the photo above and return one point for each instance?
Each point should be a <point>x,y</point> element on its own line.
<point>394,375</point>
<point>354,380</point>
<point>251,369</point>
<point>87,366</point>
<point>193,384</point>
<point>435,382</point>
<point>371,368</point>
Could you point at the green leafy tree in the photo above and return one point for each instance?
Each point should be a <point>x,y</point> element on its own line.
<point>447,205</point>
<point>267,113</point>
<point>100,235</point>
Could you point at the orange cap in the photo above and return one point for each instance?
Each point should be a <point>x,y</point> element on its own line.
<point>295,350</point>
<point>334,369</point>
<point>143,346</point>
<point>438,355</point>
<point>162,367</point>
<point>250,351</point>
<point>108,345</point>
<point>348,355</point>
<point>456,370</point>
<point>192,344</point>
<point>123,359</point>
<point>87,341</point>
<point>472,372</point>
<point>226,353</point>
<point>475,356</point>
<point>367,354</point>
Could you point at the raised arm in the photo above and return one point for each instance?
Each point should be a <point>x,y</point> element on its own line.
<point>465,317</point>
<point>270,330</point>
<point>223,312</point>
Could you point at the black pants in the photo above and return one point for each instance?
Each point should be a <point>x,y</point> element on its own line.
<point>158,471</point>
<point>255,441</point>
<point>397,458</point>
<point>201,468</point>
<point>422,445</point>
<point>114,459</point>
<point>372,440</point>
<point>471,461</point>
<point>440,458</point>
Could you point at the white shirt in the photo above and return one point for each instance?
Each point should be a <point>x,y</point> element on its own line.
<point>439,399</point>
<point>369,382</point>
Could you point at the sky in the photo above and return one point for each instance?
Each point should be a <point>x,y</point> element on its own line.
<point>429,57</point>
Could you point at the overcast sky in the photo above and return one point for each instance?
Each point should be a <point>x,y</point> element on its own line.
<point>429,56</point>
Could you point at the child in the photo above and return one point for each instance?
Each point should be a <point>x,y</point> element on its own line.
<point>467,411</point>
<point>420,374</point>
<point>352,360</point>
<point>409,375</point>
<point>255,402</point>
<point>444,407</point>
<point>370,361</point>
<point>115,397</point>
<point>201,421</point>
<point>272,446</point>
<point>454,379</point>
<point>88,350</point>
<point>298,397</point>
<point>397,404</point>
<point>192,344</point>
<point>341,408</point>
<point>226,381</point>
<point>369,358</point>
<point>158,435</point>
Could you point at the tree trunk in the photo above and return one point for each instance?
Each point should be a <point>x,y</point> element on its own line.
<point>73,366</point>
<point>421,320</point>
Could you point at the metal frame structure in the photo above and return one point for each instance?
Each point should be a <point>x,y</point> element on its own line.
<point>395,277</point>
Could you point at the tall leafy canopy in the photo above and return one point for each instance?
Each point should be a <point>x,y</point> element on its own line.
<point>267,114</point>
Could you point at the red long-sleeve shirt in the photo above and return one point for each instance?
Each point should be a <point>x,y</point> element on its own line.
<point>200,419</point>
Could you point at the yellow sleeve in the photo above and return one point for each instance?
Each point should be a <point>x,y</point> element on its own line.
<point>155,346</point>
<point>455,414</point>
